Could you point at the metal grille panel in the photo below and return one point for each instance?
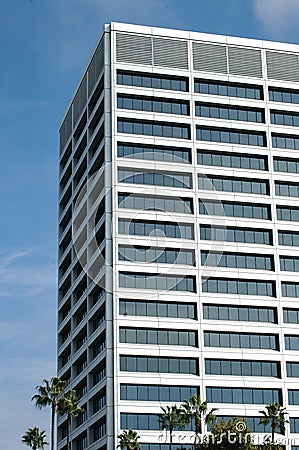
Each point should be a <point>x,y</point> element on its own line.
<point>245,62</point>
<point>170,53</point>
<point>209,57</point>
<point>134,49</point>
<point>283,66</point>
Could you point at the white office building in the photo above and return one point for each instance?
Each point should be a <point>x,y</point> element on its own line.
<point>179,233</point>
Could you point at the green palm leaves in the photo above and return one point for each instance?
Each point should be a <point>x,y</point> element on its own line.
<point>35,438</point>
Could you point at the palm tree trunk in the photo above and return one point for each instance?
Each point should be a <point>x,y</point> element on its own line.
<point>170,438</point>
<point>68,432</point>
<point>272,432</point>
<point>53,424</point>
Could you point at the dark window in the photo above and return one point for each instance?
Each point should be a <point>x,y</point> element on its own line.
<point>285,141</point>
<point>288,238</point>
<point>289,289</point>
<point>288,213</point>
<point>239,313</point>
<point>156,203</point>
<point>231,136</point>
<point>243,368</point>
<point>168,179</point>
<point>244,395</point>
<point>153,104</point>
<point>156,255</point>
<point>289,263</point>
<point>157,393</point>
<point>159,336</point>
<point>290,119</point>
<point>157,281</point>
<point>153,128</point>
<point>234,209</point>
<point>148,80</point>
<point>154,153</point>
<point>159,364</point>
<point>228,89</point>
<point>291,315</point>
<point>217,111</point>
<point>155,228</point>
<point>291,342</point>
<point>239,286</point>
<point>288,165</point>
<point>236,234</point>
<point>292,369</point>
<point>285,189</point>
<point>283,95</point>
<point>230,184</point>
<point>229,159</point>
<point>157,309</point>
<point>241,340</point>
<point>293,396</point>
<point>237,260</point>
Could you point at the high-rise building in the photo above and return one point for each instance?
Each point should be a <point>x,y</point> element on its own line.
<point>179,232</point>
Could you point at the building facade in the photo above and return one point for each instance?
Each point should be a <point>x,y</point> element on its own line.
<point>179,233</point>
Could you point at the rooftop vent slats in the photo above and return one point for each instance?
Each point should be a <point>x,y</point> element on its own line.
<point>245,62</point>
<point>170,53</point>
<point>96,67</point>
<point>209,57</point>
<point>80,100</point>
<point>66,129</point>
<point>283,66</point>
<point>133,48</point>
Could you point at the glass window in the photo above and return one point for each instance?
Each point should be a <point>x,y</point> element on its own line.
<point>243,368</point>
<point>153,104</point>
<point>228,159</point>
<point>241,287</point>
<point>147,80</point>
<point>231,136</point>
<point>229,112</point>
<point>228,89</point>
<point>159,153</point>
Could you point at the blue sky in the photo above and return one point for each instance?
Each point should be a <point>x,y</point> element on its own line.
<point>44,47</point>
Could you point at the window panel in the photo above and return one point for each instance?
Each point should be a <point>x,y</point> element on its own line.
<point>220,111</point>
<point>241,313</point>
<point>231,136</point>
<point>236,234</point>
<point>228,89</point>
<point>156,153</point>
<point>167,82</point>
<point>241,340</point>
<point>156,365</point>
<point>237,286</point>
<point>228,159</point>
<point>237,260</point>
<point>242,185</point>
<point>151,128</point>
<point>156,203</point>
<point>243,368</point>
<point>153,104</point>
<point>156,255</point>
<point>233,209</point>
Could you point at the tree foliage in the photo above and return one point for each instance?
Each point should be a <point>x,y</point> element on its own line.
<point>35,438</point>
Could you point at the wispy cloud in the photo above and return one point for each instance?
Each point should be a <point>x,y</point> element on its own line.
<point>279,17</point>
<point>26,273</point>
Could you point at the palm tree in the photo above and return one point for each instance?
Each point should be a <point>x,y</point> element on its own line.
<point>171,418</point>
<point>49,395</point>
<point>68,404</point>
<point>35,438</point>
<point>129,440</point>
<point>275,416</point>
<point>198,411</point>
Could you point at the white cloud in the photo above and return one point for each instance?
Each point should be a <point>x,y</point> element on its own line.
<point>22,273</point>
<point>277,16</point>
